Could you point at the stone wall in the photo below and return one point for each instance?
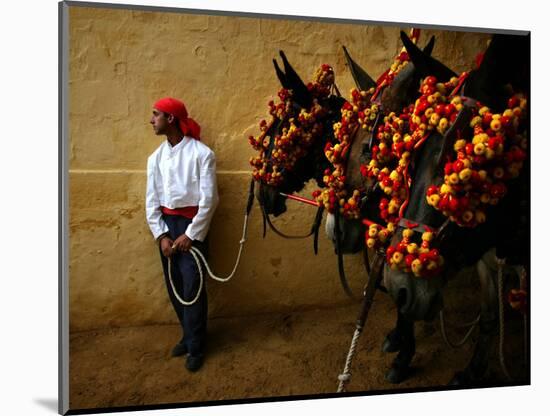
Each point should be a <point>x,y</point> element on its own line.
<point>121,61</point>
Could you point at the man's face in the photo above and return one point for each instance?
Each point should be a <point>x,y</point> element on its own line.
<point>160,122</point>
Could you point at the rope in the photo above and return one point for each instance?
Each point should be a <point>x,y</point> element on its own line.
<point>198,257</point>
<point>471,328</point>
<point>345,377</point>
<point>368,297</point>
<point>500,282</point>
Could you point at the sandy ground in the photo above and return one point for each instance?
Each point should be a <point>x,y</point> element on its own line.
<point>269,356</point>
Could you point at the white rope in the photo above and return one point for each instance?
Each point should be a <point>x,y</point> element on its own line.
<point>198,256</point>
<point>241,245</point>
<point>500,282</point>
<point>471,326</point>
<point>345,377</point>
<point>201,282</point>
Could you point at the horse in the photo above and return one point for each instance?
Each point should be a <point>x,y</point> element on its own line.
<point>302,120</point>
<point>421,299</point>
<point>459,243</point>
<point>393,90</point>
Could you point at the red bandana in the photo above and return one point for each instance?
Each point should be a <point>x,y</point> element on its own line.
<point>188,126</point>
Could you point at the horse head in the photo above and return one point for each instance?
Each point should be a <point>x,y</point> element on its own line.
<point>291,145</point>
<point>443,217</point>
<point>396,87</point>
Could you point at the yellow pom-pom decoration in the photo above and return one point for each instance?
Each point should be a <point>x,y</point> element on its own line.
<point>408,233</point>
<point>373,231</point>
<point>465,175</point>
<point>459,145</point>
<point>434,199</point>
<point>427,236</point>
<point>412,248</point>
<point>383,235</point>
<point>416,267</point>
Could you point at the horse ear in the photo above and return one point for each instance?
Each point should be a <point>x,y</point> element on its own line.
<point>362,80</point>
<point>280,75</point>
<point>301,93</point>
<point>425,64</point>
<point>416,55</point>
<point>428,49</point>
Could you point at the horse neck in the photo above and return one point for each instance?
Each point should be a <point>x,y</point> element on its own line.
<point>402,91</point>
<point>423,173</point>
<point>480,87</point>
<point>354,179</point>
<point>506,63</point>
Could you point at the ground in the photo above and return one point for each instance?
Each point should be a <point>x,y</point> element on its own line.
<point>300,353</point>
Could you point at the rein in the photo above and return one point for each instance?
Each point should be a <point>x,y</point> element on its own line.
<point>267,219</point>
<point>280,233</point>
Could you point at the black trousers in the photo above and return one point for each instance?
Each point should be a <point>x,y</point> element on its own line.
<point>185,276</point>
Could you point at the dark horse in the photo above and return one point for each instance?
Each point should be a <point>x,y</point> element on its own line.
<point>402,90</point>
<point>321,99</point>
<point>506,229</point>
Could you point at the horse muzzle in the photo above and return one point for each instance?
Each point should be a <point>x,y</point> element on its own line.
<point>270,199</point>
<point>417,298</point>
<point>351,234</point>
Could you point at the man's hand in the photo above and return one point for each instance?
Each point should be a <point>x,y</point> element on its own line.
<point>182,243</point>
<point>166,246</point>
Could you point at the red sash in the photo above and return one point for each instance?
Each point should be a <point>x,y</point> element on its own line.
<point>187,212</point>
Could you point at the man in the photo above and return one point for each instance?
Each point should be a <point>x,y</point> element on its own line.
<point>180,202</point>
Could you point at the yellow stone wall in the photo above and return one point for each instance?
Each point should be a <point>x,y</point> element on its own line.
<point>120,62</point>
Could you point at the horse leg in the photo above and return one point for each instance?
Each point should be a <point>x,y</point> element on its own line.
<point>488,325</point>
<point>392,342</point>
<point>403,335</point>
<point>394,339</point>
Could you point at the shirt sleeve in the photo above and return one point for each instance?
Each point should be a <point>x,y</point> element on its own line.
<point>152,203</point>
<point>208,199</point>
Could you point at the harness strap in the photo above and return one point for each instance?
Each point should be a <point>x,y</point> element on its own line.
<point>316,226</point>
<point>341,271</point>
<point>461,80</point>
<point>415,226</point>
<point>267,220</point>
<point>280,233</point>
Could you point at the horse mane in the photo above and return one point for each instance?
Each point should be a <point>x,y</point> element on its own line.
<point>505,64</point>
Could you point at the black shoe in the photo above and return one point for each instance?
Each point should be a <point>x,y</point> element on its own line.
<point>179,349</point>
<point>194,362</point>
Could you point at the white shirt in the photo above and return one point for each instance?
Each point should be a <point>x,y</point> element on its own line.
<point>181,176</point>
